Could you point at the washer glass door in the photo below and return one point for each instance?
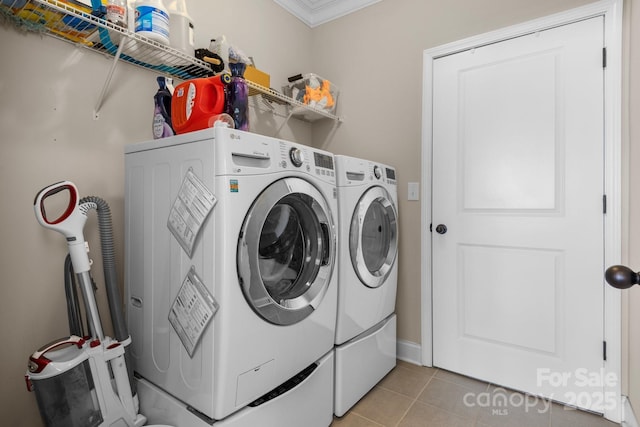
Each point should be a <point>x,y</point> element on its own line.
<point>286,251</point>
<point>373,235</point>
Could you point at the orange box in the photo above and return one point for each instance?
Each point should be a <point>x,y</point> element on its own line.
<point>258,77</point>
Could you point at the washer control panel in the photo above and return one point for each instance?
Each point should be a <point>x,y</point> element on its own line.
<point>377,172</point>
<point>297,156</point>
<point>307,159</point>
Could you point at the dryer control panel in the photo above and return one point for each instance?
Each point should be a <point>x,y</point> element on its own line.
<point>385,174</point>
<point>391,175</point>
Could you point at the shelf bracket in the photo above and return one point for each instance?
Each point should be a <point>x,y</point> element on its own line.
<point>283,123</point>
<point>116,57</point>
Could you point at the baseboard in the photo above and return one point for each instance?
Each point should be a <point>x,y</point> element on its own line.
<point>628,417</point>
<point>409,352</point>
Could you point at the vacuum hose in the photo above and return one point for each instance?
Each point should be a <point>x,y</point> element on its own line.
<point>111,283</point>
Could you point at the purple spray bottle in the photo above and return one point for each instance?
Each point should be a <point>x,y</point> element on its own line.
<point>162,110</point>
<point>238,97</point>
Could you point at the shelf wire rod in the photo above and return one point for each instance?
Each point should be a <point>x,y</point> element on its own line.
<point>283,123</point>
<point>107,82</point>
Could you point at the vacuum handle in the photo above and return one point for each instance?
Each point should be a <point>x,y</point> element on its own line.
<point>70,223</point>
<point>73,339</point>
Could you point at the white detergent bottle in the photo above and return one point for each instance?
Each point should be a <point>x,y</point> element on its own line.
<point>131,15</point>
<point>117,12</point>
<point>181,33</point>
<point>152,20</point>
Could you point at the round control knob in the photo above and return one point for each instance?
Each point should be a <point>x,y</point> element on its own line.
<point>296,156</point>
<point>377,172</point>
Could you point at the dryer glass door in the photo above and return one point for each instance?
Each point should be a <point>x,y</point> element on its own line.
<point>286,251</point>
<point>373,237</point>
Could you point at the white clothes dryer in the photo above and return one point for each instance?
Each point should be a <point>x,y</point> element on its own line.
<point>230,242</point>
<point>367,278</point>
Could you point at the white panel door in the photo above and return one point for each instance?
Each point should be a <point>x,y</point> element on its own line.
<point>518,183</point>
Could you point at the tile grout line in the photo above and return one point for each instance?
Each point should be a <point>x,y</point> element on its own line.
<point>476,420</point>
<point>416,398</point>
<point>393,392</point>
<point>476,416</point>
<point>368,419</point>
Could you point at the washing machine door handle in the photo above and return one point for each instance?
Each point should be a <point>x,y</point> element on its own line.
<point>326,244</point>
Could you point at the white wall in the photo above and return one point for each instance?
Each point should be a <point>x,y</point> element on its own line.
<point>374,55</point>
<point>631,298</point>
<point>49,89</point>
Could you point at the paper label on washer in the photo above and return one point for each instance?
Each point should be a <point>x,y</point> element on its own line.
<point>192,311</point>
<point>191,208</point>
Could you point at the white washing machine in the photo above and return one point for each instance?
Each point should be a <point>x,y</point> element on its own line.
<point>367,280</point>
<point>231,267</point>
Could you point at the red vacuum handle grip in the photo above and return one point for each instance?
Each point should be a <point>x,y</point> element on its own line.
<point>50,191</point>
<point>70,223</point>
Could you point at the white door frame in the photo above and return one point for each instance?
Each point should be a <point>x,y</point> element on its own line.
<point>611,10</point>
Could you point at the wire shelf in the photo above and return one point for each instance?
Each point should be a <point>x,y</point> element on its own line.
<point>74,22</point>
<point>297,108</point>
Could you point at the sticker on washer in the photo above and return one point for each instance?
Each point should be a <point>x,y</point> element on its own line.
<point>191,208</point>
<point>192,311</point>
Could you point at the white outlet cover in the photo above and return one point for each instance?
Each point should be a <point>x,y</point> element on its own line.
<point>414,191</point>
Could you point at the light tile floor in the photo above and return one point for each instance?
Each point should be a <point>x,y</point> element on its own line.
<point>415,396</point>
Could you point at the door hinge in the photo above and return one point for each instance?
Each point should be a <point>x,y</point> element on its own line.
<point>604,203</point>
<point>604,57</point>
<point>604,350</point>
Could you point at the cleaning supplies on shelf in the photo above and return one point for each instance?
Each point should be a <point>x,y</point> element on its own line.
<point>197,103</point>
<point>313,91</point>
<point>162,110</point>
<point>36,17</point>
<point>213,59</point>
<point>117,12</point>
<point>131,15</point>
<point>237,105</point>
<point>14,4</point>
<point>152,20</point>
<point>181,31</point>
<point>227,52</point>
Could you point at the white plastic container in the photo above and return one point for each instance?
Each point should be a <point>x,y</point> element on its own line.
<point>181,32</point>
<point>117,12</point>
<point>152,20</point>
<point>131,15</point>
<point>313,91</point>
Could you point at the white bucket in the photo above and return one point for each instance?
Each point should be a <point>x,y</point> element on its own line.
<point>152,20</point>
<point>181,30</point>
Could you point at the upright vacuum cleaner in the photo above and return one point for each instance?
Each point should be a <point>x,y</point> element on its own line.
<point>82,380</point>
